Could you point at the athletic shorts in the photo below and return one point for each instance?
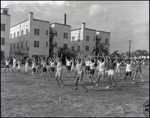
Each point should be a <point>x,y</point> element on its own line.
<point>19,67</point>
<point>139,70</point>
<point>26,69</point>
<point>101,72</point>
<point>14,66</point>
<point>68,67</point>
<point>44,69</point>
<point>7,66</point>
<point>40,66</point>
<point>52,69</point>
<point>106,71</point>
<point>33,69</point>
<point>111,72</point>
<point>87,68</point>
<point>128,73</point>
<point>92,71</point>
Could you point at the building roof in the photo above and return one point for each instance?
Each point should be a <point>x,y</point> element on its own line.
<point>61,24</point>
<point>90,29</point>
<point>41,20</point>
<point>102,31</point>
<point>75,29</point>
<point>5,14</point>
<point>19,23</point>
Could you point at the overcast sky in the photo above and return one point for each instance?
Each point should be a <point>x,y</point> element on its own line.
<point>126,20</point>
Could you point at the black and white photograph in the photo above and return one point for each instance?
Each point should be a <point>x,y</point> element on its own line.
<point>74,58</point>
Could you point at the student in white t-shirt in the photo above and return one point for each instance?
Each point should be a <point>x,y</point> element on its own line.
<point>68,66</point>
<point>128,69</point>
<point>79,75</point>
<point>19,66</point>
<point>33,68</point>
<point>7,61</point>
<point>14,64</point>
<point>92,69</point>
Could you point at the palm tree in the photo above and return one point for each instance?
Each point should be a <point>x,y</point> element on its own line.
<point>100,47</point>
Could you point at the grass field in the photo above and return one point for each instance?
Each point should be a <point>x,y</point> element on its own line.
<point>26,97</point>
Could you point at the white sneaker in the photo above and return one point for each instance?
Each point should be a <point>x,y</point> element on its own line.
<point>107,87</point>
<point>94,81</point>
<point>142,80</point>
<point>133,82</point>
<point>96,85</point>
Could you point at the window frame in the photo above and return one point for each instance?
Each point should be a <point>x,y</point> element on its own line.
<point>3,27</point>
<point>36,44</point>
<point>88,39</point>
<point>87,48</point>
<point>2,41</point>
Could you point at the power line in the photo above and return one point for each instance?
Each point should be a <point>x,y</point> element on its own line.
<point>129,47</point>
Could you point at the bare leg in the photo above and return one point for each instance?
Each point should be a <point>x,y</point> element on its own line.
<point>76,82</point>
<point>141,77</point>
<point>56,77</point>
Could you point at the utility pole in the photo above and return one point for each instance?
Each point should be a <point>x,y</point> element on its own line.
<point>129,47</point>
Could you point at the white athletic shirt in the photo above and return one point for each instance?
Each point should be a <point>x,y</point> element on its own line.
<point>92,65</point>
<point>68,63</point>
<point>87,63</point>
<point>26,65</point>
<point>44,64</point>
<point>118,65</point>
<point>14,62</point>
<point>7,62</point>
<point>101,66</point>
<point>128,67</point>
<point>58,66</point>
<point>33,64</point>
<point>79,68</point>
<point>19,63</point>
<point>52,64</point>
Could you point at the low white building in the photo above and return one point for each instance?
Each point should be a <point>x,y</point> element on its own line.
<point>62,37</point>
<point>84,39</point>
<point>30,37</point>
<point>5,31</point>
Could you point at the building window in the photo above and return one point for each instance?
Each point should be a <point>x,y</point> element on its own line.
<point>2,41</point>
<point>21,44</point>
<point>36,44</point>
<point>56,34</point>
<point>26,43</point>
<point>11,36</point>
<point>17,45</point>
<point>2,27</point>
<point>26,30</point>
<point>36,31</point>
<point>106,41</point>
<point>14,35</point>
<point>87,38</point>
<point>2,54</point>
<point>65,46</point>
<point>14,45</point>
<point>46,44</point>
<point>5,12</point>
<point>93,38</point>
<point>18,34</point>
<point>72,48</point>
<point>55,44</point>
<point>10,46</point>
<point>46,32</point>
<point>21,32</point>
<point>78,48</point>
<point>73,38</point>
<point>86,48</point>
<point>65,35</point>
<point>78,38</point>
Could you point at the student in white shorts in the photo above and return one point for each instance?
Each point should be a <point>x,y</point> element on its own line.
<point>19,66</point>
<point>118,70</point>
<point>87,66</point>
<point>14,64</point>
<point>7,61</point>
<point>27,67</point>
<point>112,66</point>
<point>101,72</point>
<point>79,76</point>
<point>58,73</point>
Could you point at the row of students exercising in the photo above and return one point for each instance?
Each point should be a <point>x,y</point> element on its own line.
<point>106,68</point>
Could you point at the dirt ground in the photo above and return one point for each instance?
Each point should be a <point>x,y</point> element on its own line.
<point>26,97</point>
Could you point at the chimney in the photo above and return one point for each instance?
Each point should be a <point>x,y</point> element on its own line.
<point>83,25</point>
<point>30,15</point>
<point>64,19</point>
